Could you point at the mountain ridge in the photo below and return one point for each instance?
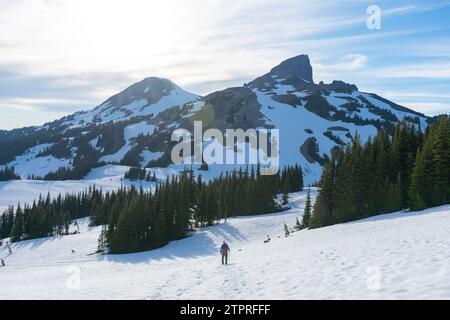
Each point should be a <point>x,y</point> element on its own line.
<point>134,126</point>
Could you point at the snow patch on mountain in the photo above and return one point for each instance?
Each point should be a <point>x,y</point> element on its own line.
<point>293,133</point>
<point>286,98</point>
<point>31,163</point>
<point>399,114</point>
<point>130,132</point>
<point>140,106</point>
<point>148,156</point>
<point>94,142</point>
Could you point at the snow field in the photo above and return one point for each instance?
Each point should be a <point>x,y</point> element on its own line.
<point>393,256</point>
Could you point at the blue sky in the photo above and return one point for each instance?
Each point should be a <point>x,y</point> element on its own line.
<point>58,57</point>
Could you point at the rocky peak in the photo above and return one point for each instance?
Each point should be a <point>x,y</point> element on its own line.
<point>298,66</point>
<point>152,89</point>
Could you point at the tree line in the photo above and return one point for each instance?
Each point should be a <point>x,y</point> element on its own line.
<point>410,170</point>
<point>46,216</point>
<point>137,220</point>
<point>8,173</point>
<point>135,174</point>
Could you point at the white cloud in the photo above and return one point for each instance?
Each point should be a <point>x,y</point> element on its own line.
<point>417,70</point>
<point>428,108</point>
<point>30,104</point>
<point>81,47</point>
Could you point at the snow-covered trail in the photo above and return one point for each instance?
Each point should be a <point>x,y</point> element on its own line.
<point>400,255</point>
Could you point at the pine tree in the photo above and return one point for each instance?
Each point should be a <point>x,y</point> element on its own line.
<point>323,211</point>
<point>440,140</point>
<point>307,211</point>
<point>298,225</point>
<point>102,241</point>
<point>286,188</point>
<point>286,231</point>
<point>18,227</point>
<point>420,182</point>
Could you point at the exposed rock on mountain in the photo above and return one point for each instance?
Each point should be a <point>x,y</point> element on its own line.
<point>134,127</point>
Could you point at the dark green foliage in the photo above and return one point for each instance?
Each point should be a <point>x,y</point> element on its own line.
<point>430,178</point>
<point>409,170</point>
<point>48,217</point>
<point>333,137</point>
<point>298,225</point>
<point>324,206</point>
<point>102,246</point>
<point>137,220</point>
<point>290,99</point>
<point>287,233</point>
<point>59,150</point>
<point>310,150</point>
<point>317,104</point>
<point>306,212</point>
<point>134,174</point>
<point>286,187</point>
<point>6,222</point>
<point>291,179</point>
<point>8,173</point>
<point>15,142</point>
<point>63,173</point>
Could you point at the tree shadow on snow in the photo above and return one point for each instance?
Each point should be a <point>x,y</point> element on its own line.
<point>201,244</point>
<point>33,243</point>
<point>401,214</point>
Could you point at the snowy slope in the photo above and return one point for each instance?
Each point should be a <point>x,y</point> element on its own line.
<point>134,127</point>
<point>140,99</point>
<point>293,134</point>
<point>131,131</point>
<point>108,177</point>
<point>31,163</point>
<point>399,255</point>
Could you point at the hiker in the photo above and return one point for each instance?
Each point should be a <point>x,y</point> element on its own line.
<point>9,248</point>
<point>224,250</point>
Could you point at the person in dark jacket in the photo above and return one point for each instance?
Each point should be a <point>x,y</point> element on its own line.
<point>224,250</point>
<point>9,247</point>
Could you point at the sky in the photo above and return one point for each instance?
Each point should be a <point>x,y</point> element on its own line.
<point>62,56</point>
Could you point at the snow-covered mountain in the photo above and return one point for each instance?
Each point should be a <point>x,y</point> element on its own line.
<point>393,256</point>
<point>149,97</point>
<point>133,128</point>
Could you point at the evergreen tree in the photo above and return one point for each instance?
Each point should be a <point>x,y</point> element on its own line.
<point>135,220</point>
<point>307,211</point>
<point>410,169</point>
<point>298,225</point>
<point>286,231</point>
<point>286,188</point>
<point>18,227</point>
<point>8,173</point>
<point>102,242</point>
<point>323,210</point>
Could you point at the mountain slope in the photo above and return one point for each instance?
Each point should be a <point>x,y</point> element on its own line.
<point>134,127</point>
<point>393,256</point>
